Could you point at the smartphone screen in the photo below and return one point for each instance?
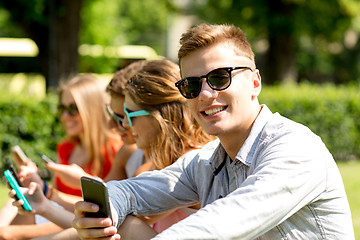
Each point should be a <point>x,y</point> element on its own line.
<point>96,192</point>
<point>20,156</point>
<point>45,158</point>
<point>14,185</point>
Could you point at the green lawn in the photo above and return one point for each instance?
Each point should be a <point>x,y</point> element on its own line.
<point>351,176</point>
<point>349,171</point>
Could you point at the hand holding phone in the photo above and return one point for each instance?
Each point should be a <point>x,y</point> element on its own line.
<point>14,185</point>
<point>95,191</point>
<point>19,155</point>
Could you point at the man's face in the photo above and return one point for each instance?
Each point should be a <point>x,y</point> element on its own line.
<point>232,111</point>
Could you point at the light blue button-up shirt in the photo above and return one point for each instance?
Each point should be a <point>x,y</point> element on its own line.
<point>283,184</point>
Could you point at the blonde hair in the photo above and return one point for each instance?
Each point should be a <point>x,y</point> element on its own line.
<point>204,35</point>
<point>89,96</point>
<point>153,89</point>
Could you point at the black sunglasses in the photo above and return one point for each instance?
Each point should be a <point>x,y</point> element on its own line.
<point>218,79</point>
<point>71,109</point>
<point>117,118</point>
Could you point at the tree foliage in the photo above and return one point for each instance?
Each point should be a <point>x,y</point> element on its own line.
<point>303,39</point>
<point>299,40</point>
<point>54,26</point>
<point>117,23</point>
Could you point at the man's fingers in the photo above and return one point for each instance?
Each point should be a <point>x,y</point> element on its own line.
<point>85,223</point>
<point>103,233</point>
<point>82,207</point>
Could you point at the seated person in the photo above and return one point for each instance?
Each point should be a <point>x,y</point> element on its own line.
<point>265,177</point>
<point>89,148</point>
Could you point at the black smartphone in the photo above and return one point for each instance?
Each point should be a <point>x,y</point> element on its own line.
<point>45,158</point>
<point>13,171</point>
<point>96,192</point>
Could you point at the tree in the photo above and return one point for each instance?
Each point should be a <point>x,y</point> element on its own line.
<point>302,38</point>
<point>59,26</point>
<point>123,22</point>
<point>54,26</point>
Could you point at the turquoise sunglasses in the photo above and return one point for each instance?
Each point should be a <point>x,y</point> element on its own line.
<point>131,114</point>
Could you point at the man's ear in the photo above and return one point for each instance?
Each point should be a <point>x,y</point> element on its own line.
<point>256,83</point>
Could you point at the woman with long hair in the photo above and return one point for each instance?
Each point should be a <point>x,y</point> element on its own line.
<point>163,128</point>
<point>88,148</point>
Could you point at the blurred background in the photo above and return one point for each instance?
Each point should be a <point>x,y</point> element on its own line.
<point>307,51</point>
<point>294,40</point>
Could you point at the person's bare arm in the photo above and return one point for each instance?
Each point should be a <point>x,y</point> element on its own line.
<point>64,199</point>
<point>43,206</point>
<point>117,171</point>
<point>66,234</point>
<point>14,232</point>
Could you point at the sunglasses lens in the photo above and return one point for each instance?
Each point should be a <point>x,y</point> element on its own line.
<point>72,109</point>
<point>190,87</point>
<point>117,118</point>
<point>119,123</point>
<point>219,79</point>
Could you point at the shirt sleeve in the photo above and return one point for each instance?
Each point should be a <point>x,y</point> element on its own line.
<point>153,192</point>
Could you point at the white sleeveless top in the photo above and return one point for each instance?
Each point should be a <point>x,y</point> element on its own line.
<point>134,162</point>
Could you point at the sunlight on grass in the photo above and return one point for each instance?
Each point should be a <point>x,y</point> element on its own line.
<point>351,177</point>
<point>4,191</point>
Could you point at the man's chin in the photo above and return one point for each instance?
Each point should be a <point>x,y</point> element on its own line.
<point>213,130</point>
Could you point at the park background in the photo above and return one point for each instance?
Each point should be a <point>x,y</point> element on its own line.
<point>307,51</point>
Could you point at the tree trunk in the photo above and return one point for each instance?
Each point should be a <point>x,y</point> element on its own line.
<point>55,30</point>
<point>63,40</point>
<point>281,55</point>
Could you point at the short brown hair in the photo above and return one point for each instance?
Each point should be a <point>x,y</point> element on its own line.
<point>117,84</point>
<point>204,35</point>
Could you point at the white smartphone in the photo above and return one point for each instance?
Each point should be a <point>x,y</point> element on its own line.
<point>20,157</point>
<point>45,158</point>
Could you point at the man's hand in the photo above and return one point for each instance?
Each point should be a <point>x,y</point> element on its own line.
<point>92,228</point>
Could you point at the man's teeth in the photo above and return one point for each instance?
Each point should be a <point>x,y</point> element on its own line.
<point>214,111</point>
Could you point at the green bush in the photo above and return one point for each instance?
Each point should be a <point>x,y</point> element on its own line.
<point>332,112</point>
<point>30,123</point>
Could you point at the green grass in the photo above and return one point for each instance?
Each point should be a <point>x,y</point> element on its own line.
<point>350,172</point>
<point>4,192</point>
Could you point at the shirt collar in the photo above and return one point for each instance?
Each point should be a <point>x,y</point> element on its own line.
<point>247,151</point>
<point>245,154</point>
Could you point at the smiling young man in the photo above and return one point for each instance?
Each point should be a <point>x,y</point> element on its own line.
<point>265,177</point>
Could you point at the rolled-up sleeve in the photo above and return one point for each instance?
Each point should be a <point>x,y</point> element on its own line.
<point>154,192</point>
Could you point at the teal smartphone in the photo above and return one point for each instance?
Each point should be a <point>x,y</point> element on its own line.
<point>14,185</point>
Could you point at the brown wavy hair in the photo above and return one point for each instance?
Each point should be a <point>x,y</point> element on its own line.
<point>117,84</point>
<point>153,89</point>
